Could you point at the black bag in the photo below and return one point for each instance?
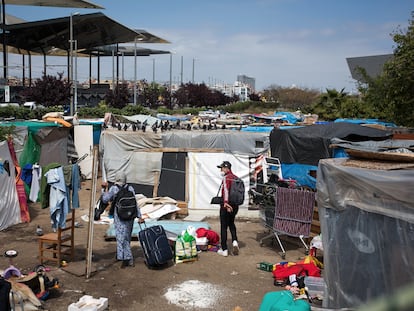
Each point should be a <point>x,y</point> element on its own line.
<point>99,209</point>
<point>126,204</point>
<point>237,191</point>
<point>217,199</point>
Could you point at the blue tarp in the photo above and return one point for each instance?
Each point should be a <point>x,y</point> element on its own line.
<point>288,116</point>
<point>300,173</point>
<point>366,121</point>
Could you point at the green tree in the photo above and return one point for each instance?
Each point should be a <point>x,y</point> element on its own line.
<point>199,95</point>
<point>291,98</point>
<point>118,97</point>
<point>329,105</point>
<point>49,91</point>
<point>391,95</point>
<point>154,95</point>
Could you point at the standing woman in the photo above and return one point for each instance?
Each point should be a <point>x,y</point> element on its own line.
<point>123,228</point>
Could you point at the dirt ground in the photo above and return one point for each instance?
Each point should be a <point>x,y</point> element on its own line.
<point>227,282</point>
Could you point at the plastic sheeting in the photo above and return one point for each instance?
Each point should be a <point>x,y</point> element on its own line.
<point>236,142</point>
<point>9,201</point>
<point>306,145</point>
<point>205,179</point>
<point>367,224</point>
<point>121,151</point>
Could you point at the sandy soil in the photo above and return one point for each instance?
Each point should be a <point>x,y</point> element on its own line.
<point>211,283</point>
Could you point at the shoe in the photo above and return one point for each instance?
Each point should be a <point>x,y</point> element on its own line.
<point>235,248</point>
<point>223,253</point>
<point>127,263</point>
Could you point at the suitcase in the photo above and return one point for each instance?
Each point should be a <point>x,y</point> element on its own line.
<point>154,242</point>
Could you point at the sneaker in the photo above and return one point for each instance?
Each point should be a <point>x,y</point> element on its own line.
<point>224,253</point>
<point>235,248</point>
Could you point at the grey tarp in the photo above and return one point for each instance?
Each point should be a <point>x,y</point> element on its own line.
<point>251,143</point>
<point>123,150</point>
<point>54,145</point>
<point>9,201</point>
<point>367,224</point>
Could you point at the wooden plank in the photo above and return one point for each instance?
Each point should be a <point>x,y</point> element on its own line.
<point>156,183</point>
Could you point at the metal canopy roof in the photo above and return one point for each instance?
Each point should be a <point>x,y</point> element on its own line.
<point>56,3</point>
<point>89,31</point>
<point>122,50</point>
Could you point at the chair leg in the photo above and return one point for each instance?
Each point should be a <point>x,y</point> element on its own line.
<point>41,251</point>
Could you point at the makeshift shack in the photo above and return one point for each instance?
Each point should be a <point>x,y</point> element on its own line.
<point>9,201</point>
<point>303,147</point>
<point>179,164</point>
<point>367,223</point>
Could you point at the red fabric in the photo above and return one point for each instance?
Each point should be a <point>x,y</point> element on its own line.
<point>212,237</point>
<point>24,209</point>
<point>283,271</point>
<point>226,184</point>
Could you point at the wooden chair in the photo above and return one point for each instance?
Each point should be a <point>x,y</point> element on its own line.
<point>53,246</point>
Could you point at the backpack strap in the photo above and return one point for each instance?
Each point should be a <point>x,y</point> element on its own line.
<point>114,200</point>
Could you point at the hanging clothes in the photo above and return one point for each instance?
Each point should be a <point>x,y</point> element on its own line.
<point>75,185</point>
<point>44,186</point>
<point>35,185</point>
<point>58,201</point>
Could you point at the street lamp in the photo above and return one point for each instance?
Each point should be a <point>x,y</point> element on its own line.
<point>193,71</point>
<point>171,80</point>
<point>73,101</point>
<point>153,71</point>
<point>135,68</point>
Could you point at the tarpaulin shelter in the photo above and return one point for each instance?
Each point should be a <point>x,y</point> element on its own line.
<point>367,223</point>
<point>42,142</point>
<point>9,201</point>
<point>309,144</point>
<point>179,164</point>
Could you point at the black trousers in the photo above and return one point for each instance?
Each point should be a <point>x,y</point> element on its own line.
<point>227,221</point>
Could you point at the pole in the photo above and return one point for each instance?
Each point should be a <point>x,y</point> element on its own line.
<point>122,64</point>
<point>135,72</point>
<point>193,71</point>
<point>71,62</point>
<point>153,70</point>
<point>182,61</point>
<point>113,69</point>
<point>89,246</point>
<point>3,24</point>
<point>75,95</point>
<point>170,80</point>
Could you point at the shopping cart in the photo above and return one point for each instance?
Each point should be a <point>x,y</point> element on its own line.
<point>287,211</point>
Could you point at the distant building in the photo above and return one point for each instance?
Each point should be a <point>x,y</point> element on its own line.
<point>250,82</point>
<point>239,89</point>
<point>373,65</point>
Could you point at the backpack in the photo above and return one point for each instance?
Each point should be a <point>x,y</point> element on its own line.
<point>126,204</point>
<point>236,194</point>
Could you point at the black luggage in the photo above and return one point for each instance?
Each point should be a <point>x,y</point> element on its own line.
<point>154,242</point>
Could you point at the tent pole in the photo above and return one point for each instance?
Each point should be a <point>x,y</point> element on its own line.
<point>3,26</point>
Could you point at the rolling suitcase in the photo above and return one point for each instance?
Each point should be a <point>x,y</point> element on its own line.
<point>154,242</point>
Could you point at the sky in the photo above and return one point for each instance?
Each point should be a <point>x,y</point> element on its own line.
<point>283,43</point>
